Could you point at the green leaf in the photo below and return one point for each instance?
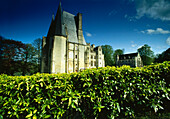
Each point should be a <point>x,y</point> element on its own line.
<point>118,107</point>
<point>47,116</point>
<point>34,117</point>
<point>69,103</point>
<point>41,84</point>
<point>29,115</point>
<point>35,111</point>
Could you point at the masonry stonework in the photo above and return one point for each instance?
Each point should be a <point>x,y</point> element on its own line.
<point>65,50</point>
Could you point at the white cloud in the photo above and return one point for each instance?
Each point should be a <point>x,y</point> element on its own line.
<point>134,45</point>
<point>142,31</point>
<point>168,40</point>
<point>156,9</point>
<point>88,34</point>
<point>157,31</point>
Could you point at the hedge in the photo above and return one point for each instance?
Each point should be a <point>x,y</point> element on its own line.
<point>109,92</point>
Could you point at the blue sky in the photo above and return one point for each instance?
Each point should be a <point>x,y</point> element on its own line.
<point>124,24</point>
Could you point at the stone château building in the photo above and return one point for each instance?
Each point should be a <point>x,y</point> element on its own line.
<point>133,60</point>
<point>65,50</point>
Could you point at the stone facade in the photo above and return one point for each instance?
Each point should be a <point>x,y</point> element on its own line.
<point>133,60</point>
<point>65,50</point>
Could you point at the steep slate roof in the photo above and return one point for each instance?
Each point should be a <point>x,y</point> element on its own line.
<point>70,25</point>
<point>64,24</point>
<point>59,22</point>
<point>57,26</point>
<point>71,29</point>
<point>128,56</point>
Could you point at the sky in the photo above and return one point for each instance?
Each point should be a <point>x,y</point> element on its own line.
<point>123,24</point>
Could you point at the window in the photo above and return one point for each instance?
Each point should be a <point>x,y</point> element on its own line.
<point>91,63</point>
<point>94,63</point>
<point>76,56</point>
<point>91,56</point>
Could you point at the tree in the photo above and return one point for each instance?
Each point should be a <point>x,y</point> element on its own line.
<point>38,47</point>
<point>146,54</point>
<point>164,56</point>
<point>11,52</point>
<point>108,54</point>
<point>17,58</point>
<point>117,52</point>
<point>29,61</point>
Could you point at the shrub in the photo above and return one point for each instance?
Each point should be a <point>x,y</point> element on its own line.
<point>107,92</point>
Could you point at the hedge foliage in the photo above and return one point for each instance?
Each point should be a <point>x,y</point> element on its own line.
<point>109,92</point>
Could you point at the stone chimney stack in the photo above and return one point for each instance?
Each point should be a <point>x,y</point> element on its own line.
<point>79,28</point>
<point>79,20</point>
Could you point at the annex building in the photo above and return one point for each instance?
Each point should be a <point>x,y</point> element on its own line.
<point>64,49</point>
<point>133,60</point>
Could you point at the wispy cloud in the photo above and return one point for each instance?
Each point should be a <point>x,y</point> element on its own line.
<point>168,40</point>
<point>133,44</point>
<point>156,9</point>
<point>161,47</point>
<point>156,31</point>
<point>130,18</point>
<point>113,12</point>
<point>88,34</point>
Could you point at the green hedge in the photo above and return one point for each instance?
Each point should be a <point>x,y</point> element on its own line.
<point>110,92</point>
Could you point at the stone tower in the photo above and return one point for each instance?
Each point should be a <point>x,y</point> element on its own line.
<point>64,49</point>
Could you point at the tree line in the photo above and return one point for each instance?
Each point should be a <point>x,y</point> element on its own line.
<point>17,58</point>
<point>145,52</point>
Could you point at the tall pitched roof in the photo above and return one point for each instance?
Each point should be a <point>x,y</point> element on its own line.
<point>64,24</point>
<point>70,24</point>
<point>57,26</point>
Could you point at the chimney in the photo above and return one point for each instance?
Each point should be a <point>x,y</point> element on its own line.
<point>79,20</point>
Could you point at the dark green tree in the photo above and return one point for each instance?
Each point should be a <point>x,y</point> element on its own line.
<point>108,54</point>
<point>29,60</point>
<point>10,55</point>
<point>117,52</point>
<point>17,58</point>
<point>164,56</point>
<point>146,54</point>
